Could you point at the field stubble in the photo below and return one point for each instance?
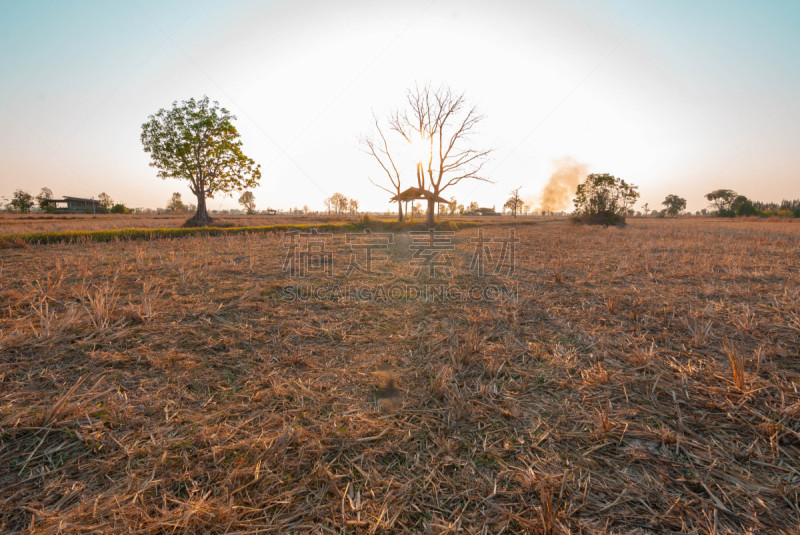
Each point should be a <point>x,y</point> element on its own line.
<point>644,379</point>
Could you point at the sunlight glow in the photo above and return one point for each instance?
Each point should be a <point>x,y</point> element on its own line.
<point>421,149</point>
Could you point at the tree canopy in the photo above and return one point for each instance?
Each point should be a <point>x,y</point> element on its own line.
<point>722,201</point>
<point>175,204</point>
<point>105,201</point>
<point>674,204</point>
<point>248,202</point>
<point>44,195</point>
<point>22,201</point>
<point>337,203</point>
<point>196,141</point>
<point>604,199</point>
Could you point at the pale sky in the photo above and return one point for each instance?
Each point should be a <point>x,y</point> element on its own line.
<point>675,96</point>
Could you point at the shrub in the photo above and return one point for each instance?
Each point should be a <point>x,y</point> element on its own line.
<point>604,199</point>
<point>742,206</point>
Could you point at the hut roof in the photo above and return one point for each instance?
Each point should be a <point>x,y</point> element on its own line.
<point>412,194</point>
<point>75,199</point>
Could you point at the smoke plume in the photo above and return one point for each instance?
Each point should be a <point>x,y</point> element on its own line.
<point>562,184</point>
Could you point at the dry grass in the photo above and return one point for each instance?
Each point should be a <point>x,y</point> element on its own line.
<point>38,222</point>
<point>11,223</point>
<point>646,379</point>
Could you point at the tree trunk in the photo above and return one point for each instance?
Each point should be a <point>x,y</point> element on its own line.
<point>399,212</point>
<point>431,212</point>
<point>200,218</point>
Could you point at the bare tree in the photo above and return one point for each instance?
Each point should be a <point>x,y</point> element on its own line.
<point>514,203</point>
<point>378,148</point>
<point>352,206</point>
<point>442,124</point>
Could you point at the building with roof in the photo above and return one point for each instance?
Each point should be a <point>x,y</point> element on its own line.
<point>77,205</point>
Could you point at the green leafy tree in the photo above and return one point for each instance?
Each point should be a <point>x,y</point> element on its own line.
<point>722,200</point>
<point>742,206</point>
<point>248,202</point>
<point>675,205</point>
<point>106,203</point>
<point>44,195</point>
<point>604,199</point>
<point>119,208</point>
<point>197,142</point>
<point>22,201</point>
<point>175,204</point>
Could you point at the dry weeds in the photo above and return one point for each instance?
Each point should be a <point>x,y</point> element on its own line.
<point>645,380</point>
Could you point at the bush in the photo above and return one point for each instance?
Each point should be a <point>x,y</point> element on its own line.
<point>608,219</point>
<point>366,221</point>
<point>742,206</point>
<point>603,199</point>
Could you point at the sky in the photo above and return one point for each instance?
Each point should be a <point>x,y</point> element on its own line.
<point>675,96</point>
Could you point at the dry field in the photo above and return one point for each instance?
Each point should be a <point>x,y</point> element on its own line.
<point>641,380</point>
<point>28,223</point>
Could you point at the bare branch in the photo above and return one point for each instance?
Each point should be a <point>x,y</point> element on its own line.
<point>436,117</point>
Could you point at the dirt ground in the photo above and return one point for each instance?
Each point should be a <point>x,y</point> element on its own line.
<point>629,380</point>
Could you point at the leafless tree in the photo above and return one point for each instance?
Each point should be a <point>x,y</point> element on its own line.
<point>443,123</point>
<point>515,203</point>
<point>379,149</point>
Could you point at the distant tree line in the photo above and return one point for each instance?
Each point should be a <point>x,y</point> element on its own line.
<point>23,201</point>
<point>728,203</point>
<point>339,204</point>
<point>785,208</point>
